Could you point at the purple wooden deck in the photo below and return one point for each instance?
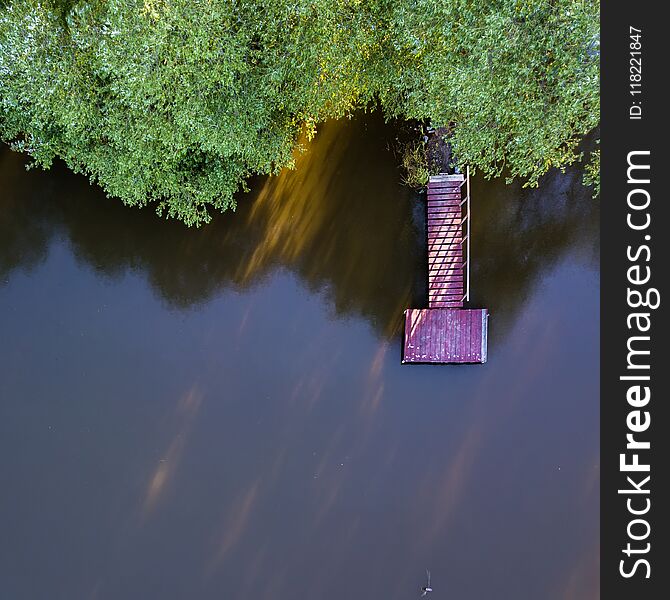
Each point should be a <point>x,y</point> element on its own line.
<point>445,335</point>
<point>446,332</point>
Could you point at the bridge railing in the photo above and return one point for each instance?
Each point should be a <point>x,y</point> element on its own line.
<point>465,205</point>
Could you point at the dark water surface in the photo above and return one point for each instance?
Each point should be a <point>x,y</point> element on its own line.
<point>222,413</point>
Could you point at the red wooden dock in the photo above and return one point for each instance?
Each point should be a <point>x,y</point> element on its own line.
<point>445,332</point>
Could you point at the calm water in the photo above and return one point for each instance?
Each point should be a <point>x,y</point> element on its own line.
<point>222,413</point>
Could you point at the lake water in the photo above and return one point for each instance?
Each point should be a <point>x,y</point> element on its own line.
<point>222,413</point>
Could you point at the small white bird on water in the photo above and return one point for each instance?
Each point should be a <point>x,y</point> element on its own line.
<point>426,588</point>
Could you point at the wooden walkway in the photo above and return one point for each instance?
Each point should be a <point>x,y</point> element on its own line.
<point>445,332</point>
<point>446,287</point>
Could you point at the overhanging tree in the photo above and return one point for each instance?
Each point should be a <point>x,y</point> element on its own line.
<point>176,102</point>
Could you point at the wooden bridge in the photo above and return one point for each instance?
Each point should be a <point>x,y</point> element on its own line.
<point>445,332</point>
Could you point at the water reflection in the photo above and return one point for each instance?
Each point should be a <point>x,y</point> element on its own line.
<point>518,233</point>
<point>187,409</point>
<point>225,432</point>
<point>341,221</point>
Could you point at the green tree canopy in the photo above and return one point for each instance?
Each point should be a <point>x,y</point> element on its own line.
<point>176,102</point>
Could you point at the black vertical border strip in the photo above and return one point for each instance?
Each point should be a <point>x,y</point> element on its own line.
<point>621,135</point>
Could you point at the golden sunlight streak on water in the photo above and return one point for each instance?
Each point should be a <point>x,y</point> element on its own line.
<point>235,523</point>
<point>290,205</point>
<point>583,582</point>
<point>186,411</point>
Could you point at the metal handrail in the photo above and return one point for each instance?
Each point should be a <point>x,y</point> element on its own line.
<point>467,235</point>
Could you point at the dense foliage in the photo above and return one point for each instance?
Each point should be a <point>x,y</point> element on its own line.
<point>176,102</point>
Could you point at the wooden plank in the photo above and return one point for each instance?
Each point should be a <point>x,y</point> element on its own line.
<point>445,272</point>
<point>435,280</point>
<point>449,229</point>
<point>453,283</point>
<point>448,296</point>
<point>447,176</point>
<point>445,266</point>
<point>467,349</point>
<point>450,184</point>
<point>439,243</point>
<point>448,194</point>
<point>439,265</point>
<point>449,257</point>
<point>446,239</point>
<point>445,185</point>
<point>455,347</point>
<point>453,303</point>
<point>439,247</point>
<point>443,200</point>
<point>445,258</point>
<point>441,210</point>
<point>458,298</point>
<point>445,206</point>
<point>485,336</point>
<point>444,194</point>
<point>444,244</point>
<point>472,353</point>
<point>437,220</point>
<point>455,216</point>
<point>445,254</point>
<point>434,226</point>
<point>437,215</point>
<point>449,221</point>
<point>458,336</point>
<point>451,192</point>
<point>455,289</point>
<point>452,210</point>
<point>444,214</point>
<point>445,262</point>
<point>442,293</point>
<point>440,181</point>
<point>448,234</point>
<point>476,343</point>
<point>441,213</point>
<point>448,252</point>
<point>446,287</point>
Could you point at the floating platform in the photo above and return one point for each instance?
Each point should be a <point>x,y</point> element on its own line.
<point>445,335</point>
<point>445,332</point>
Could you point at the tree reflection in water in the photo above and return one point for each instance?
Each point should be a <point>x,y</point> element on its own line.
<point>341,221</point>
